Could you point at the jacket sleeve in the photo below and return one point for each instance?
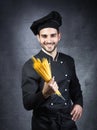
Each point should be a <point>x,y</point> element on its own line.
<point>75,88</point>
<point>32,98</point>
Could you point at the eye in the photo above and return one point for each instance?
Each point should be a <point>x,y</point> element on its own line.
<point>44,36</point>
<point>53,35</point>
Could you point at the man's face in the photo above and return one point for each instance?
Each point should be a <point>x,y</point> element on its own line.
<point>49,38</point>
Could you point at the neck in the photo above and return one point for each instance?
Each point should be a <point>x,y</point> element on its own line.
<point>52,54</point>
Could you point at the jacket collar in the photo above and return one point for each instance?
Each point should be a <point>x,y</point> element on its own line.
<point>42,54</point>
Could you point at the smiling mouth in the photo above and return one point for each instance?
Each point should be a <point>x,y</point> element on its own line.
<point>49,43</point>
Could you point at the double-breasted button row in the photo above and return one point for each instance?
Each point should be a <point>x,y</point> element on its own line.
<point>53,103</point>
<point>66,75</point>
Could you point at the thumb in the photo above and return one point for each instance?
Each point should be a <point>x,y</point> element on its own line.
<point>53,78</point>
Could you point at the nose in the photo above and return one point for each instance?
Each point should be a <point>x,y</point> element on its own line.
<point>49,40</point>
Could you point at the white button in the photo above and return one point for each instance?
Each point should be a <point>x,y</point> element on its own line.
<point>52,104</point>
<point>65,89</point>
<point>65,103</point>
<point>66,75</point>
<point>68,80</point>
<point>61,62</point>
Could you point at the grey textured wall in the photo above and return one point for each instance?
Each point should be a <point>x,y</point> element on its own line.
<point>18,44</point>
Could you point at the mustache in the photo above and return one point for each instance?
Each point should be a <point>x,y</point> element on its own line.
<point>48,43</point>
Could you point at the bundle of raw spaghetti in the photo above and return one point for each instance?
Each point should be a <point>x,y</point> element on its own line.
<point>43,68</point>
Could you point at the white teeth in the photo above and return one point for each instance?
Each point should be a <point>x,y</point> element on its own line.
<point>49,43</point>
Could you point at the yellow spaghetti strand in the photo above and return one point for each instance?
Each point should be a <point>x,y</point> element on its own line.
<point>43,68</point>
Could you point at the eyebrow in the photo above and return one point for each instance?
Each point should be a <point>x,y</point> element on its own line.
<point>53,34</point>
<point>43,35</point>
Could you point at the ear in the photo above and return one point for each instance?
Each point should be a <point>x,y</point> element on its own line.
<point>59,36</point>
<point>38,37</point>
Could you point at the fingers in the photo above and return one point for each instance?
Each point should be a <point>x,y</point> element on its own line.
<point>76,112</point>
<point>75,115</point>
<point>53,84</point>
<point>50,88</point>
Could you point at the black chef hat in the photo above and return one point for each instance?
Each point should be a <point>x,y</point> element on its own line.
<point>53,20</point>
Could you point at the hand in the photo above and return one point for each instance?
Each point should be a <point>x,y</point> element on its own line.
<point>76,112</point>
<point>49,88</point>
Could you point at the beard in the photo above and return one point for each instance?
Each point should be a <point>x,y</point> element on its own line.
<point>46,48</point>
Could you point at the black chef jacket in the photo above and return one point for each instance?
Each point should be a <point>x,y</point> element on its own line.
<point>63,68</point>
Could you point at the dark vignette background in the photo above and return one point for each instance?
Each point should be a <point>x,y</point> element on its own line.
<point>18,44</point>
